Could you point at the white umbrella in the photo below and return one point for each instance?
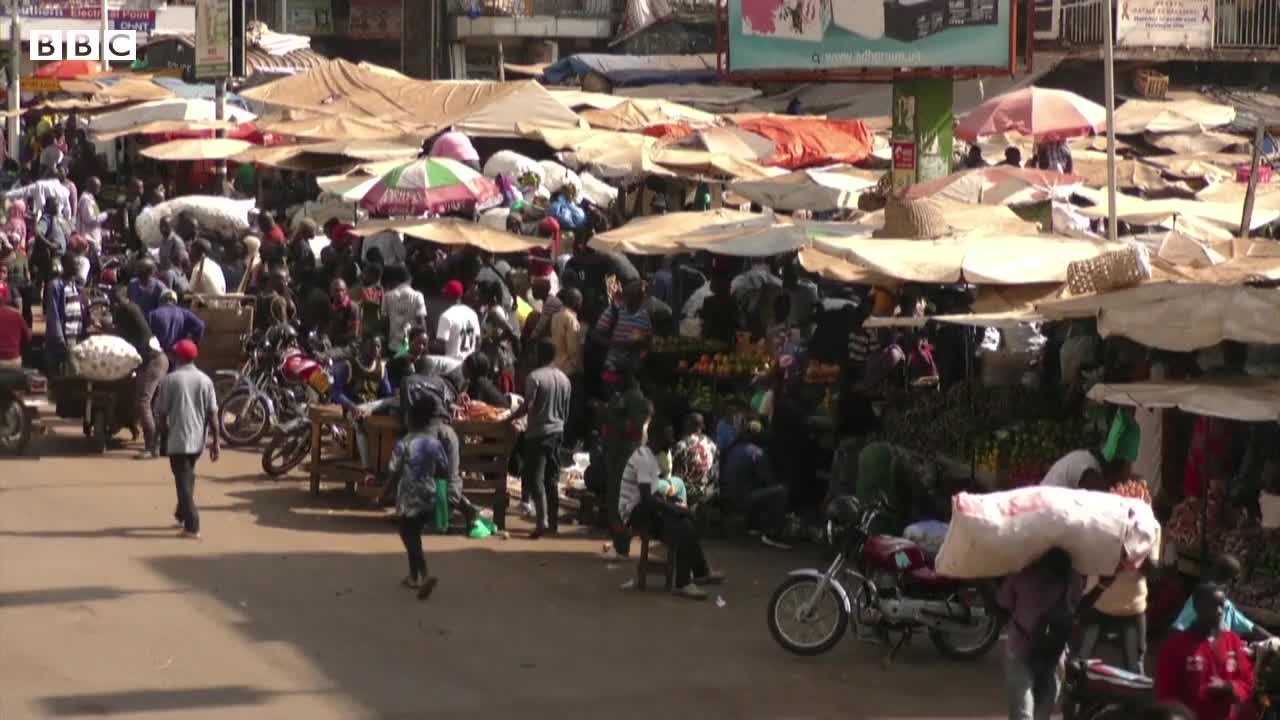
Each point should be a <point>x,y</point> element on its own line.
<point>171,109</point>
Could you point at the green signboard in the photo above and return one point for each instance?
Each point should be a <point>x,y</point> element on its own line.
<point>790,35</point>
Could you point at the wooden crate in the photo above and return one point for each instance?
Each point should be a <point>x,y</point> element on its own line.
<point>1150,83</point>
<point>227,319</point>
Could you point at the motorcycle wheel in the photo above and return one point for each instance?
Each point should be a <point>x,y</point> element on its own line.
<point>244,418</point>
<point>286,451</point>
<point>828,619</point>
<point>977,642</point>
<point>15,431</point>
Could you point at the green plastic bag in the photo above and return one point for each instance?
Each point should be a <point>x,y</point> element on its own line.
<point>1123,440</point>
<point>483,528</point>
<point>442,505</point>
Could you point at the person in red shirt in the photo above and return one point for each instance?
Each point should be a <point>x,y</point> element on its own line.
<point>14,334</point>
<point>1207,668</point>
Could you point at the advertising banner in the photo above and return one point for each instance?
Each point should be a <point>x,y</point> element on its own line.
<point>310,17</point>
<point>840,34</point>
<point>1165,23</point>
<point>122,19</point>
<point>375,19</point>
<point>213,39</point>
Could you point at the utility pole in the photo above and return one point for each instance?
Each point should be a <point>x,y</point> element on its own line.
<point>13,122</point>
<point>220,113</point>
<point>1109,88</point>
<point>102,42</point>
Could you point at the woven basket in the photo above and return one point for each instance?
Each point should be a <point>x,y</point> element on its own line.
<point>1108,271</point>
<point>912,219</point>
<point>1150,84</point>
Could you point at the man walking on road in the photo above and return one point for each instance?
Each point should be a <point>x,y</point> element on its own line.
<point>186,411</point>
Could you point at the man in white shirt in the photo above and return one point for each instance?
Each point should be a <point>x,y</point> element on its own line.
<point>37,195</point>
<point>459,326</point>
<point>404,308</point>
<point>207,277</point>
<point>89,219</point>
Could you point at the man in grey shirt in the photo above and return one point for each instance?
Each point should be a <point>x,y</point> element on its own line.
<point>186,410</point>
<point>546,403</point>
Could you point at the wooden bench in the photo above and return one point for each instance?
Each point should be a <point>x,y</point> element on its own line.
<point>483,456</point>
<point>648,565</point>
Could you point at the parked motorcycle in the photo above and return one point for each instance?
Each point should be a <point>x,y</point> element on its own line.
<point>885,586</point>
<point>278,382</point>
<point>291,441</point>
<point>20,399</point>
<point>1094,690</point>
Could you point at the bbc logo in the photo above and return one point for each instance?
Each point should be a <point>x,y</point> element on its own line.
<point>120,45</point>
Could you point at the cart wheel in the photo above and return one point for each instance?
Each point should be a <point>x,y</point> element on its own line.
<point>98,443</point>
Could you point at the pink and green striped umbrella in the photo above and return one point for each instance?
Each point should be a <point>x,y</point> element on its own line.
<point>431,184</point>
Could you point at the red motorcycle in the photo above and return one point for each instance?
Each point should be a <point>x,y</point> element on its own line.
<point>885,586</point>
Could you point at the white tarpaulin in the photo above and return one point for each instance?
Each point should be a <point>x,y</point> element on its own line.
<point>1179,317</point>
<point>1137,211</point>
<point>1245,398</point>
<point>1165,116</point>
<point>807,189</point>
<point>1165,23</point>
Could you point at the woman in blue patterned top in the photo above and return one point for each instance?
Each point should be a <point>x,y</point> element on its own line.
<point>418,458</point>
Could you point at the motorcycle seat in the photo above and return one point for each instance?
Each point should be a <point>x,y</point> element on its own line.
<point>1114,680</point>
<point>928,576</point>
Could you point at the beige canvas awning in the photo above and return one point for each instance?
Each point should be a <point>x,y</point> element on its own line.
<point>997,260</point>
<point>201,149</point>
<point>1179,316</point>
<point>661,234</point>
<point>486,109</point>
<point>1138,211</point>
<point>323,127</point>
<point>1167,116</point>
<point>172,109</point>
<point>1244,398</point>
<point>640,113</point>
<point>453,231</point>
<point>160,127</point>
<point>808,189</point>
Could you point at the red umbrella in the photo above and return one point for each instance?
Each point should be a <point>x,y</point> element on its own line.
<point>67,69</point>
<point>1038,112</point>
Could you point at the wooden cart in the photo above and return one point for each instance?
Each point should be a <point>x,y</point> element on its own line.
<point>486,448</point>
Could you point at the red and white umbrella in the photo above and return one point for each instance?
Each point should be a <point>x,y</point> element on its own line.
<point>429,185</point>
<point>1037,112</point>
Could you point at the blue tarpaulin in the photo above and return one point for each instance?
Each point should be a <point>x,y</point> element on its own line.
<point>622,70</point>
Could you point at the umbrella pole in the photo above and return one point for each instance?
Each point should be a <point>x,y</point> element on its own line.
<point>1109,85</point>
<point>14,120</point>
<point>220,113</point>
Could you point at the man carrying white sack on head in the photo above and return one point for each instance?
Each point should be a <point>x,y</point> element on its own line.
<point>1086,470</point>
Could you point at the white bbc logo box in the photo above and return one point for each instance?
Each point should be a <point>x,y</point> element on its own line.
<point>119,45</point>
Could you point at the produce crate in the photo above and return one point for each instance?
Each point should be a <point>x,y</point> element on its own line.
<point>1150,84</point>
<point>228,319</point>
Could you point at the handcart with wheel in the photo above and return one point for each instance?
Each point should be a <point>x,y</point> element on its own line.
<point>104,407</point>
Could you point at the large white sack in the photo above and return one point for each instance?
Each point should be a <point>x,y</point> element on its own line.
<point>1001,533</point>
<point>599,192</point>
<point>526,172</point>
<point>556,176</point>
<point>104,358</point>
<point>220,214</point>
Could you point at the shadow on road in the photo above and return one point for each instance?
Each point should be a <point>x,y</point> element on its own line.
<point>522,629</point>
<point>54,596</point>
<point>143,701</point>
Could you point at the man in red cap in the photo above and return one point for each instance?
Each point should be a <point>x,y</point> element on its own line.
<point>186,411</point>
<point>459,327</point>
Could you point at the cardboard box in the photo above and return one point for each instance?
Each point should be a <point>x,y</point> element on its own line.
<point>788,19</point>
<point>911,20</point>
<point>967,13</point>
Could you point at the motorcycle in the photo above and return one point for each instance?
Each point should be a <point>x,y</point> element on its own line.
<point>275,386</point>
<point>1094,690</point>
<point>884,585</point>
<point>291,441</point>
<point>20,400</point>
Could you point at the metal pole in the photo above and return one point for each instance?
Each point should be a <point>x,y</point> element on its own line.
<point>502,64</point>
<point>402,48</point>
<point>1109,85</point>
<point>1247,220</point>
<point>105,24</point>
<point>220,112</point>
<point>13,122</point>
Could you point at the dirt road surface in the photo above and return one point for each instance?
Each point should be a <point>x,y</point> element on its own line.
<point>289,607</point>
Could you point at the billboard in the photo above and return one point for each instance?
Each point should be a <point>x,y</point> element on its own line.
<point>1165,23</point>
<point>213,39</point>
<point>808,35</point>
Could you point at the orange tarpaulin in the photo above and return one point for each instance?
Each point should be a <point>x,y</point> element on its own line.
<point>806,141</point>
<point>675,131</point>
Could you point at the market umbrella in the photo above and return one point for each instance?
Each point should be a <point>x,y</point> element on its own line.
<point>67,69</point>
<point>1038,112</point>
<point>814,189</point>
<point>453,231</point>
<point>435,185</point>
<point>995,185</point>
<point>192,149</point>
